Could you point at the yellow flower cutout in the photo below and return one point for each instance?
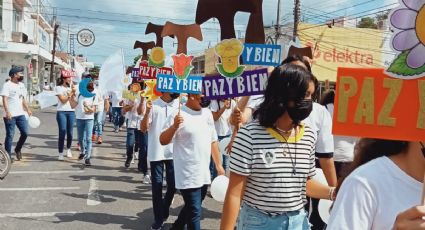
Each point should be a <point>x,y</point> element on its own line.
<point>157,57</point>
<point>150,91</point>
<point>229,52</point>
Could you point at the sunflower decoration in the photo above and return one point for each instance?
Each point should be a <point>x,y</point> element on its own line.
<point>135,88</point>
<point>150,91</point>
<point>157,57</point>
<point>229,51</point>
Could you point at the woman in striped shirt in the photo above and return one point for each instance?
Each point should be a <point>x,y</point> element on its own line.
<point>273,158</point>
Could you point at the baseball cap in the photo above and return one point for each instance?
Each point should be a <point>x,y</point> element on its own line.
<point>15,69</point>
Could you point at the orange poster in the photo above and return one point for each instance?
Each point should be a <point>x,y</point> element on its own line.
<point>369,103</point>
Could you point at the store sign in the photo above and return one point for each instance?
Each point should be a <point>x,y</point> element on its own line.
<point>85,37</point>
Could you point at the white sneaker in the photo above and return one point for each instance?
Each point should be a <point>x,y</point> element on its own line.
<point>132,161</point>
<point>147,179</point>
<point>60,157</point>
<point>69,153</point>
<point>136,155</point>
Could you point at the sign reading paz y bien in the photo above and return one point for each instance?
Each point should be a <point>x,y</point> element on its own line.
<point>249,83</point>
<point>169,83</point>
<point>150,72</point>
<point>371,104</point>
<point>261,54</point>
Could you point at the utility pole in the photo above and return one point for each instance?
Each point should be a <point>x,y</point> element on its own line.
<point>277,35</point>
<point>55,36</point>
<point>296,18</point>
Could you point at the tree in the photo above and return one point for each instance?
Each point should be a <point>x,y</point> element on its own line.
<point>367,22</point>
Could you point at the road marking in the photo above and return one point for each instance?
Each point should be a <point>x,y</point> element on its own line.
<point>94,152</point>
<point>36,214</point>
<point>93,195</point>
<point>39,189</point>
<point>47,172</point>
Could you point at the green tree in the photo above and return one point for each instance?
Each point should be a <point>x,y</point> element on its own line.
<point>367,22</point>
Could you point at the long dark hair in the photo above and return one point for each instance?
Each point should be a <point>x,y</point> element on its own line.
<point>368,149</point>
<point>328,97</point>
<point>286,83</point>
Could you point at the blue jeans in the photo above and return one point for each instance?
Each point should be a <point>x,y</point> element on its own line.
<point>22,124</point>
<point>252,219</point>
<point>118,117</point>
<point>192,210</point>
<point>85,130</point>
<point>142,147</point>
<point>224,162</point>
<point>161,204</point>
<point>98,123</point>
<point>66,120</point>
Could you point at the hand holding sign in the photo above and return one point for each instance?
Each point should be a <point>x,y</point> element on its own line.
<point>178,120</point>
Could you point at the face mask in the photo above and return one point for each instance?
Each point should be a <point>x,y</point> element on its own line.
<point>21,78</point>
<point>174,95</point>
<point>301,110</point>
<point>183,99</point>
<point>205,103</point>
<point>96,83</point>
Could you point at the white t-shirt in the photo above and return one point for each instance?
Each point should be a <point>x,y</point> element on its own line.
<point>64,91</point>
<point>373,195</point>
<point>222,125</point>
<point>133,118</point>
<point>157,117</point>
<point>79,110</point>
<point>319,120</point>
<point>116,98</point>
<point>100,99</point>
<point>343,145</point>
<point>15,93</point>
<point>192,147</point>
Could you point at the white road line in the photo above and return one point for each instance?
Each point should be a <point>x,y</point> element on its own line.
<point>47,172</point>
<point>40,189</point>
<point>36,214</point>
<point>94,152</point>
<point>93,195</point>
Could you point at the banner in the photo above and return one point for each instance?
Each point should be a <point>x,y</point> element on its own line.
<point>150,72</point>
<point>261,54</point>
<point>369,103</point>
<point>249,83</point>
<point>112,72</point>
<point>169,83</point>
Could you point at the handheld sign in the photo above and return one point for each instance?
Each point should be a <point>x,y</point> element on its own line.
<point>369,103</point>
<point>249,83</point>
<point>171,84</point>
<point>150,72</point>
<point>260,54</point>
<point>135,73</point>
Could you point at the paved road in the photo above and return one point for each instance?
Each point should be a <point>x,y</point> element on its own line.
<point>43,193</point>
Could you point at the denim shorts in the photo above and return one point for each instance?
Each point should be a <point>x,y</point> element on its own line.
<point>253,219</point>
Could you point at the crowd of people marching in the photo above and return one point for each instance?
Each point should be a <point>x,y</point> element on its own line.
<point>277,141</point>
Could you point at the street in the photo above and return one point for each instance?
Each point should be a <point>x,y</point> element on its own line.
<point>43,193</point>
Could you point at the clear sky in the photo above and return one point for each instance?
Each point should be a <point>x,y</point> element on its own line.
<point>119,23</point>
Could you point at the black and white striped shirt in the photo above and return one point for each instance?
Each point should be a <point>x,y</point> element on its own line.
<point>267,160</point>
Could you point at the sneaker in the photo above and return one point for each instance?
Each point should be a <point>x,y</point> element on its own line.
<point>60,157</point>
<point>69,153</point>
<point>147,179</point>
<point>120,129</point>
<point>78,147</point>
<point>81,156</point>
<point>87,162</point>
<point>99,140</point>
<point>127,162</point>
<point>132,161</point>
<point>93,137</point>
<point>18,155</point>
<point>136,155</point>
<point>156,226</point>
<point>116,130</point>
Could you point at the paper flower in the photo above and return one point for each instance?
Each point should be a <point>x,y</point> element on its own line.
<point>135,87</point>
<point>229,52</point>
<point>409,23</point>
<point>150,91</point>
<point>182,65</point>
<point>157,57</point>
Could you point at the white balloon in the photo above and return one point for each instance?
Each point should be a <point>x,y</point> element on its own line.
<point>219,188</point>
<point>34,122</point>
<point>320,176</point>
<point>223,144</point>
<point>324,210</point>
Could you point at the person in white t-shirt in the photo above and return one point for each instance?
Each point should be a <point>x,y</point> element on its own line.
<point>192,132</point>
<point>65,115</point>
<point>85,107</point>
<point>386,180</point>
<point>15,108</point>
<point>99,116</point>
<point>117,102</point>
<point>160,157</point>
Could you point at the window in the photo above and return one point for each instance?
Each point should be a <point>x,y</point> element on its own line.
<point>17,18</point>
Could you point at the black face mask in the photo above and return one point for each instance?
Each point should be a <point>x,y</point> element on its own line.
<point>301,110</point>
<point>21,78</point>
<point>174,95</point>
<point>205,103</point>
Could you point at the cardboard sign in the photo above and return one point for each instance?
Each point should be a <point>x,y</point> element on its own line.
<point>169,83</point>
<point>369,103</point>
<point>229,51</point>
<point>135,73</point>
<point>68,73</point>
<point>150,72</point>
<point>249,83</point>
<point>260,54</point>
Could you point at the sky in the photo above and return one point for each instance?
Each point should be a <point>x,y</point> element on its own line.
<point>117,24</point>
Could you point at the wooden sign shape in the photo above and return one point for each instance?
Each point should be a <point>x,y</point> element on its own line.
<point>157,30</point>
<point>145,46</point>
<point>303,52</point>
<point>182,33</point>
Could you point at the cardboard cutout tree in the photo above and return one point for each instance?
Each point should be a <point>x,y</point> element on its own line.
<point>157,30</point>
<point>182,33</point>
<point>145,46</point>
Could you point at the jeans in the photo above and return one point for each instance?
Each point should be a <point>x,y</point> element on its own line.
<point>192,210</point>
<point>85,130</point>
<point>161,204</point>
<point>252,219</point>
<point>224,161</point>
<point>118,117</point>
<point>66,120</point>
<point>98,123</point>
<point>22,124</point>
<point>143,152</point>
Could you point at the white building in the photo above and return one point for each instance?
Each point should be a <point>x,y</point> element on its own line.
<point>26,39</point>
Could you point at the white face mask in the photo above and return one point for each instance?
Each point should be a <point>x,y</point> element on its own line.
<point>183,99</point>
